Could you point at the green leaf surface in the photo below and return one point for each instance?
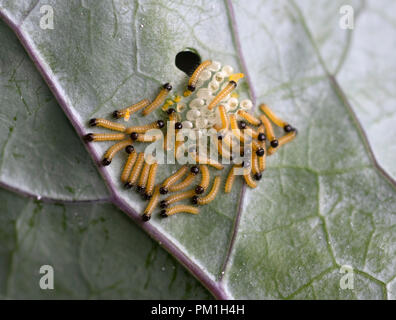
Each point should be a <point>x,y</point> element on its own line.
<point>95,251</point>
<point>83,242</point>
<point>322,202</point>
<point>361,59</point>
<point>38,146</point>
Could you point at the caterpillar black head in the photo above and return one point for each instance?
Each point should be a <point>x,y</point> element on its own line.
<point>167,86</point>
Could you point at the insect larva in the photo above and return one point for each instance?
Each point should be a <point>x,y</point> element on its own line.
<point>159,99</point>
<point>135,171</point>
<point>205,174</point>
<point>128,166</point>
<point>172,179</point>
<point>106,124</point>
<point>166,145</point>
<point>275,119</point>
<point>222,94</point>
<point>261,160</point>
<point>224,152</point>
<point>287,137</point>
<point>208,161</point>
<point>192,82</point>
<point>228,141</point>
<point>177,197</point>
<point>187,181</point>
<point>173,118</point>
<point>104,137</point>
<point>249,118</point>
<point>224,119</point>
<point>235,129</point>
<point>131,109</point>
<point>142,137</point>
<point>254,161</point>
<point>226,91</point>
<point>256,167</point>
<point>177,209</point>
<point>151,180</point>
<point>283,140</point>
<point>212,194</point>
<point>269,131</point>
<point>112,151</point>
<point>230,180</point>
<point>249,181</point>
<point>143,178</point>
<point>151,205</point>
<point>142,129</point>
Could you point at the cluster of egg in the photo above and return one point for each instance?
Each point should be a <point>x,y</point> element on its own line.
<point>215,78</point>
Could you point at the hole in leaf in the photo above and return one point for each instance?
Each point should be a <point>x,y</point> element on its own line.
<point>187,61</point>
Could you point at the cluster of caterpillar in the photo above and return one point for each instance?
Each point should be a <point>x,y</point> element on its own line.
<point>242,126</point>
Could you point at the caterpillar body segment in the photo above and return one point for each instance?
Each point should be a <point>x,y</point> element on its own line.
<point>131,109</point>
<point>213,192</point>
<point>142,129</point>
<point>249,180</point>
<point>166,144</point>
<point>282,141</point>
<point>274,118</point>
<point>151,205</point>
<point>176,198</point>
<point>113,150</point>
<point>151,180</point>
<point>159,99</point>
<point>235,129</point>
<point>229,142</point>
<point>184,184</point>
<point>223,118</point>
<point>99,137</point>
<point>230,180</point>
<point>205,174</point>
<point>135,171</point>
<point>262,160</point>
<point>222,94</point>
<point>205,160</point>
<point>177,209</point>
<point>287,138</point>
<point>99,122</point>
<point>172,179</point>
<point>254,162</point>
<point>141,187</point>
<point>232,84</point>
<point>223,151</point>
<point>269,131</point>
<point>256,167</point>
<point>144,137</point>
<point>128,166</point>
<point>192,82</point>
<point>249,118</point>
